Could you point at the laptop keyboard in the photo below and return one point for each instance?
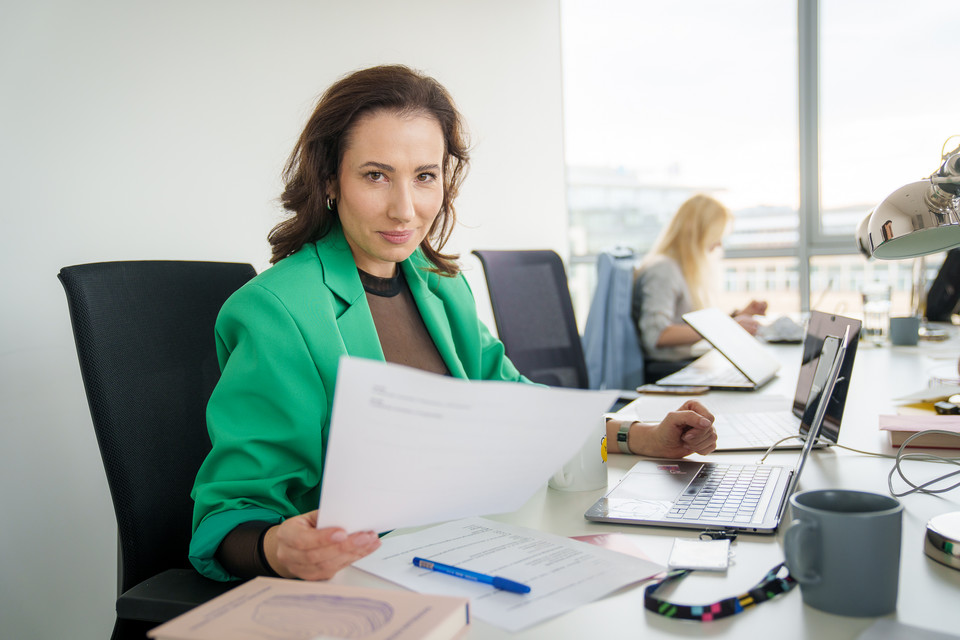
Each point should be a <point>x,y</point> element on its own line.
<point>727,375</point>
<point>761,429</point>
<point>731,493</point>
<point>711,369</point>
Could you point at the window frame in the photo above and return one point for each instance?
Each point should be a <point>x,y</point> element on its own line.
<point>812,240</point>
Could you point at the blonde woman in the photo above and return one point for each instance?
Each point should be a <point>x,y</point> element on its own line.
<point>674,278</point>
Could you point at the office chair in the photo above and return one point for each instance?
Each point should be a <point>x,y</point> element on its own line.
<point>534,315</point>
<point>943,299</point>
<point>610,339</point>
<point>145,340</point>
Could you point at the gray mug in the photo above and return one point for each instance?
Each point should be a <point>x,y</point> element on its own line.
<point>843,547</point>
<point>905,330</point>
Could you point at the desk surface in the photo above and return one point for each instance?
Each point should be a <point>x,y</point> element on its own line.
<point>929,591</point>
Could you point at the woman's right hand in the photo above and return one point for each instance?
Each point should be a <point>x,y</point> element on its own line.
<point>295,548</point>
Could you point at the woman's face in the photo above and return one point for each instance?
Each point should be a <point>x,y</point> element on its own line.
<point>390,187</point>
<point>715,233</point>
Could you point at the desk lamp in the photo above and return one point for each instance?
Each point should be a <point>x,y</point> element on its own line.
<point>918,219</point>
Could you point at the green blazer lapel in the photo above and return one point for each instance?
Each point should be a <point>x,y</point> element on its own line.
<point>340,276</point>
<point>422,285</point>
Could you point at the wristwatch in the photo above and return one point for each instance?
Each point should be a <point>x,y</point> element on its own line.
<point>622,436</point>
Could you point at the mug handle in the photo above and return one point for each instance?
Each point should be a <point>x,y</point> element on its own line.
<point>800,544</point>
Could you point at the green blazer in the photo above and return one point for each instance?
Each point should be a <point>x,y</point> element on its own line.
<point>278,341</point>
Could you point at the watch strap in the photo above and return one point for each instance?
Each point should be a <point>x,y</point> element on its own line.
<point>622,434</point>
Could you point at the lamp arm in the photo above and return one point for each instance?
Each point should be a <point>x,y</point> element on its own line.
<point>948,174</point>
<point>935,179</point>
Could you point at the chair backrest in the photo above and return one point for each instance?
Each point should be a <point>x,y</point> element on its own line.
<point>531,305</point>
<point>145,340</point>
<point>610,342</point>
<point>944,296</point>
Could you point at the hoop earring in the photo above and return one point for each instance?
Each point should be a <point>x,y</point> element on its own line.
<point>330,203</point>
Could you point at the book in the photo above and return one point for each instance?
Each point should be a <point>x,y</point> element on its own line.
<point>280,609</point>
<point>901,427</point>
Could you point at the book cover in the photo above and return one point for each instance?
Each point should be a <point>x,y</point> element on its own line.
<point>278,609</point>
<point>901,427</point>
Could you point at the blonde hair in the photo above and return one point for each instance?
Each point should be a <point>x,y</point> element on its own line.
<point>699,223</point>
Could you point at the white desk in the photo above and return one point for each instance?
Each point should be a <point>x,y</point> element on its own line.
<point>929,592</point>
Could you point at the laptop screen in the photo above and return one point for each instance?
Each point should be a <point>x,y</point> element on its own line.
<point>819,327</point>
<point>736,344</point>
<point>824,380</point>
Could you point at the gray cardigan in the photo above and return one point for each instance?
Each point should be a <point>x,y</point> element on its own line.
<point>663,297</point>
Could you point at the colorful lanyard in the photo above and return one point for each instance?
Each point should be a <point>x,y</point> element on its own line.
<point>770,587</point>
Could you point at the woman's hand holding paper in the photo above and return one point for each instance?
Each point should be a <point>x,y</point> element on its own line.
<point>297,549</point>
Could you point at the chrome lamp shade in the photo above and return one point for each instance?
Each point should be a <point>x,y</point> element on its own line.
<point>919,218</point>
<point>915,220</point>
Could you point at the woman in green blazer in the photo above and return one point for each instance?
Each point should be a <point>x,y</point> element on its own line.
<point>357,271</point>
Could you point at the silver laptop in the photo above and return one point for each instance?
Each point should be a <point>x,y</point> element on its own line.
<point>756,430</point>
<point>709,495</point>
<point>738,360</point>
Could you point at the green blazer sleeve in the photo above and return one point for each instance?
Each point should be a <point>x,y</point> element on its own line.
<point>279,339</point>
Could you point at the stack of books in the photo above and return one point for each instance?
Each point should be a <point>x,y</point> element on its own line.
<point>901,427</point>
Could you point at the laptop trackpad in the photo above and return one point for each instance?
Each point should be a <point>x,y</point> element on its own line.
<point>663,483</point>
<point>650,488</point>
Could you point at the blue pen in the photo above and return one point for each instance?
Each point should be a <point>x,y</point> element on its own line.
<point>496,581</point>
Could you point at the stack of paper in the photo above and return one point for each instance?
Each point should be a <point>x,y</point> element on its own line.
<point>434,448</point>
<point>562,573</point>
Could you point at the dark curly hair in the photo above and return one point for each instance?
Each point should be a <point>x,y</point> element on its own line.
<point>315,161</point>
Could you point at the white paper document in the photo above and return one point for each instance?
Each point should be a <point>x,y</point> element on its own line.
<point>408,448</point>
<point>562,573</point>
<point>929,394</point>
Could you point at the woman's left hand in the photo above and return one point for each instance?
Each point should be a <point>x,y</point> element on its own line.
<point>682,432</point>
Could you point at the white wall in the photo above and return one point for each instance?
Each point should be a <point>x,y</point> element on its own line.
<point>144,130</point>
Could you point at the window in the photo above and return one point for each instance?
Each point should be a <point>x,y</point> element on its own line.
<point>664,100</point>
<point>885,108</point>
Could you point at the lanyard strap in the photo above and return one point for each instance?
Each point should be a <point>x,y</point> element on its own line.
<point>770,587</point>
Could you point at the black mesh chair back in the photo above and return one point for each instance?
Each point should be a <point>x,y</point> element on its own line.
<point>145,339</point>
<point>534,315</point>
